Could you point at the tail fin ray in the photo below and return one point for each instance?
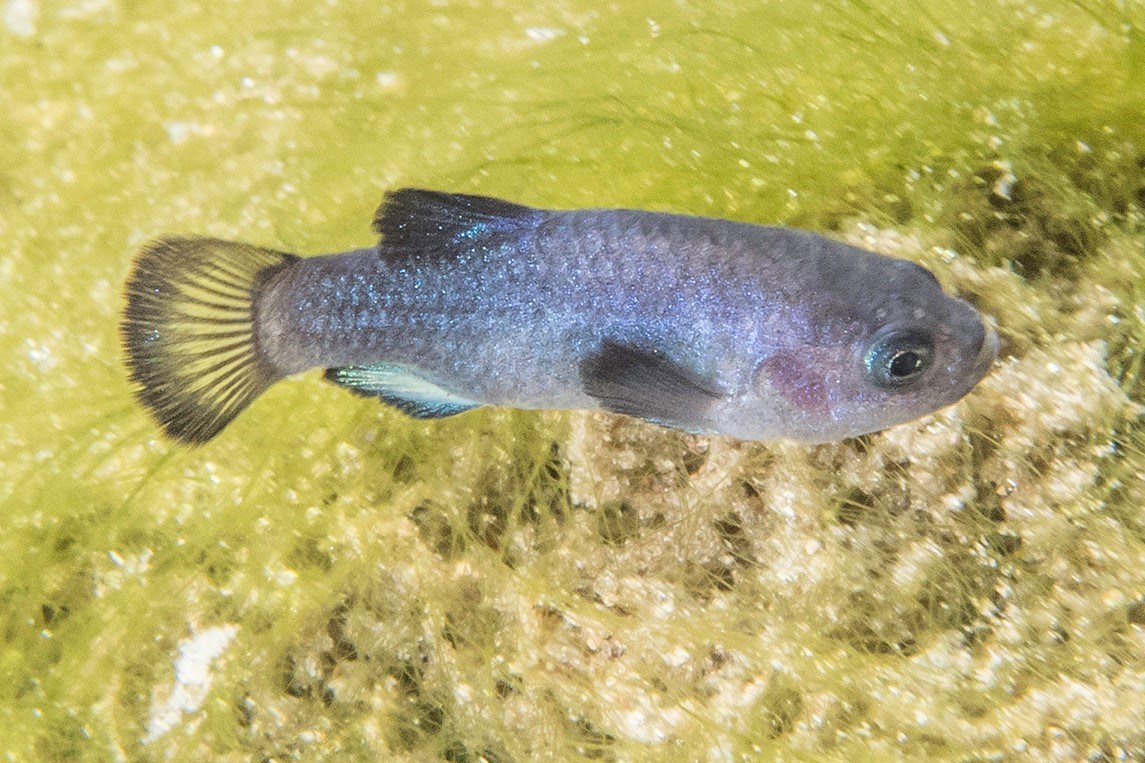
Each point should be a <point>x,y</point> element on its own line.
<point>189,331</point>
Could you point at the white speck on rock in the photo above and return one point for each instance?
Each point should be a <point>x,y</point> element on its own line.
<point>192,679</point>
<point>1004,185</point>
<point>83,9</point>
<point>181,132</point>
<point>20,17</point>
<point>387,80</point>
<point>543,34</point>
<point>178,132</point>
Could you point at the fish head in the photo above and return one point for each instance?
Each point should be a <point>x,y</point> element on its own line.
<point>881,344</point>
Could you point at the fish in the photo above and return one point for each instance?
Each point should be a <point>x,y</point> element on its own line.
<point>704,325</point>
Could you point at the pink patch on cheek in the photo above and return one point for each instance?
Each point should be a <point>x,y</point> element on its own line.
<point>798,384</point>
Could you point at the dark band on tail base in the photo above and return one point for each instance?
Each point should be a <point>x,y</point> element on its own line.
<point>189,331</point>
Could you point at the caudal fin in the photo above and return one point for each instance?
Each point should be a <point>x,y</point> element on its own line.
<point>189,331</point>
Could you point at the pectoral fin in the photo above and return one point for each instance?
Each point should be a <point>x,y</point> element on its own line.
<point>650,385</point>
<point>402,388</point>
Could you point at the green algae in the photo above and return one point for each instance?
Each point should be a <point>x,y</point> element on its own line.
<point>509,586</point>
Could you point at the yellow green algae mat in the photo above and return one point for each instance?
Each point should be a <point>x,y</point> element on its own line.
<point>329,580</point>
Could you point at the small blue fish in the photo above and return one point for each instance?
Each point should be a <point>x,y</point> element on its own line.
<point>704,325</point>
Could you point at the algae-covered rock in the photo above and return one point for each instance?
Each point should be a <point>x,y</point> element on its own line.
<point>332,581</point>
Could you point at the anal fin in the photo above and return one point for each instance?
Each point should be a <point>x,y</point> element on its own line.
<point>401,387</point>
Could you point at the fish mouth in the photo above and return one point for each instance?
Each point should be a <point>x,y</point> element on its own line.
<point>988,352</point>
<point>980,366</point>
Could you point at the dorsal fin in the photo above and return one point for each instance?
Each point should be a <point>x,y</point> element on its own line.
<point>413,220</point>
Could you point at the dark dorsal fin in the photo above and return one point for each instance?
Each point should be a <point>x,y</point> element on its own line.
<point>648,384</point>
<point>413,220</point>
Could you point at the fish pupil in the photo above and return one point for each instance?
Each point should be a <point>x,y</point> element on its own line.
<point>905,363</point>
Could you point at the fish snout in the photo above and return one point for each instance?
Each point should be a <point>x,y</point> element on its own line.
<point>988,350</point>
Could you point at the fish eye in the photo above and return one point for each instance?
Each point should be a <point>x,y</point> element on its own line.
<point>899,358</point>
